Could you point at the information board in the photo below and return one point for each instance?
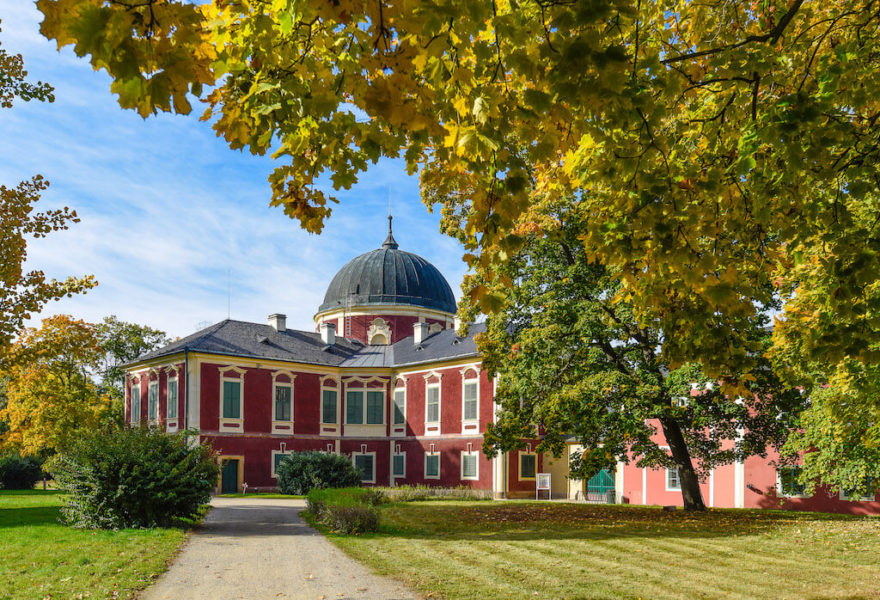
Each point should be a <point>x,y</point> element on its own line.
<point>542,482</point>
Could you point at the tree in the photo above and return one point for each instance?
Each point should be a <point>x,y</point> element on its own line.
<point>572,359</point>
<point>122,342</point>
<point>51,398</point>
<point>717,145</point>
<point>23,293</point>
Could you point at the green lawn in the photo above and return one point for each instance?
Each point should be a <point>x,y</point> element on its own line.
<point>508,550</point>
<point>41,558</point>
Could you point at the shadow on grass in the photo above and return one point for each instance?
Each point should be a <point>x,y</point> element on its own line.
<point>522,522</point>
<point>32,515</point>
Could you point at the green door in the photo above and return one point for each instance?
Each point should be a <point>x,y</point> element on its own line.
<point>600,487</point>
<point>229,476</point>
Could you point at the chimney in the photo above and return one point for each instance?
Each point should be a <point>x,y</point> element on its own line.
<point>278,322</point>
<point>328,333</point>
<point>420,332</point>
<point>457,325</point>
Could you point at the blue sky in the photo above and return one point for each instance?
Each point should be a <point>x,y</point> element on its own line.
<point>167,208</point>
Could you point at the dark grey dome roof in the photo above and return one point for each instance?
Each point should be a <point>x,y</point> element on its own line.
<point>389,276</point>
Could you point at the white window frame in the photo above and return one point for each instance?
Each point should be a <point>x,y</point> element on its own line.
<point>394,404</point>
<point>779,491</point>
<point>439,465</point>
<point>335,390</point>
<point>236,424</point>
<point>135,415</point>
<point>354,462</point>
<point>677,478</point>
<point>428,388</point>
<point>519,471</point>
<point>477,465</point>
<point>151,386</point>
<point>172,383</point>
<point>475,381</point>
<point>401,454</point>
<point>364,391</point>
<point>286,425</point>
<point>272,462</point>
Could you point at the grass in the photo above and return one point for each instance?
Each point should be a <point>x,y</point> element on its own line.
<point>41,558</point>
<point>508,550</point>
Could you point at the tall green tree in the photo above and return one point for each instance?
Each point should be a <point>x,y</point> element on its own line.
<point>23,293</point>
<point>572,359</point>
<point>122,342</point>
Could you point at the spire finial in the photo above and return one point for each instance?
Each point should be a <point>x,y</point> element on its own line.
<point>390,243</point>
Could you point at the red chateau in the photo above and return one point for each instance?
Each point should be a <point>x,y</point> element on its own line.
<point>386,380</point>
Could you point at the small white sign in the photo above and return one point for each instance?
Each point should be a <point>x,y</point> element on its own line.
<point>542,482</point>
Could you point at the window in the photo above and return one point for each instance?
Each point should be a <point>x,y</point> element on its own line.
<point>469,469</point>
<point>400,406</point>
<point>328,406</point>
<point>673,483</point>
<point>231,399</point>
<point>358,413</point>
<point>432,404</point>
<point>849,494</point>
<point>375,408</point>
<point>366,464</point>
<point>788,481</point>
<point>153,401</point>
<point>135,402</point>
<point>277,457</point>
<point>283,409</point>
<point>172,398</point>
<point>398,465</point>
<point>432,465</point>
<point>528,465</point>
<point>470,408</point>
<point>354,408</point>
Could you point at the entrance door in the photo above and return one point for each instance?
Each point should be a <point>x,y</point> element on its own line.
<point>229,476</point>
<point>600,487</point>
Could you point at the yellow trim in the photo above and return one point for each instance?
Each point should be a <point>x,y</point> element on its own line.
<point>240,460</point>
<point>360,310</point>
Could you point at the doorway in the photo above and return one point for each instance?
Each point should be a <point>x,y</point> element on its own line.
<point>229,476</point>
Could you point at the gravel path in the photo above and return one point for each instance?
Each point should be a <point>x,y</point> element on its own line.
<point>254,549</point>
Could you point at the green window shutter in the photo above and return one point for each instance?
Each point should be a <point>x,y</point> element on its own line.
<point>278,458</point>
<point>433,405</point>
<point>231,399</point>
<point>398,466</point>
<point>788,478</point>
<point>153,402</point>
<point>172,399</point>
<point>375,402</point>
<point>364,464</point>
<point>469,465</point>
<point>432,465</point>
<point>282,403</point>
<point>527,466</point>
<point>399,407</point>
<point>329,407</point>
<point>135,404</point>
<point>354,408</point>
<point>470,401</point>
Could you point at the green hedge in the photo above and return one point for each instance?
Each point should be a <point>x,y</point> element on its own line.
<point>302,472</point>
<point>135,477</point>
<point>19,472</point>
<point>346,510</point>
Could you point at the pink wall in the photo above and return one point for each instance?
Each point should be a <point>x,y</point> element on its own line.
<point>162,378</point>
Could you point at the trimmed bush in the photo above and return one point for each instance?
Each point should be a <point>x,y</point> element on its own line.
<point>301,472</point>
<point>346,510</point>
<point>135,477</point>
<point>19,472</point>
<point>413,493</point>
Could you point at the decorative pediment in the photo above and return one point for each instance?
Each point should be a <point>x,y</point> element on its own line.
<point>224,370</point>
<point>379,332</point>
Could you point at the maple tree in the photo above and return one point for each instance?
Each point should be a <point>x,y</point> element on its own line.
<point>23,293</point>
<point>573,362</point>
<point>50,395</point>
<point>718,146</point>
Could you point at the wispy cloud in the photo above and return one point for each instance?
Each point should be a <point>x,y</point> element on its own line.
<point>167,209</point>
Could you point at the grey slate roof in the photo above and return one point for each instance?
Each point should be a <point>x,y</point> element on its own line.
<point>256,340</point>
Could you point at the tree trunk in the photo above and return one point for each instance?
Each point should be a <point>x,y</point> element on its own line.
<point>687,477</point>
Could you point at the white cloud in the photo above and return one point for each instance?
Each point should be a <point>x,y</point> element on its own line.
<point>167,208</point>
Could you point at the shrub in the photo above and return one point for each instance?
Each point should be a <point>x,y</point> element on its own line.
<point>135,477</point>
<point>19,472</point>
<point>412,493</point>
<point>302,472</point>
<point>346,510</point>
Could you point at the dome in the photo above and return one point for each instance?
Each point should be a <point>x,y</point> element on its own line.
<point>386,276</point>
